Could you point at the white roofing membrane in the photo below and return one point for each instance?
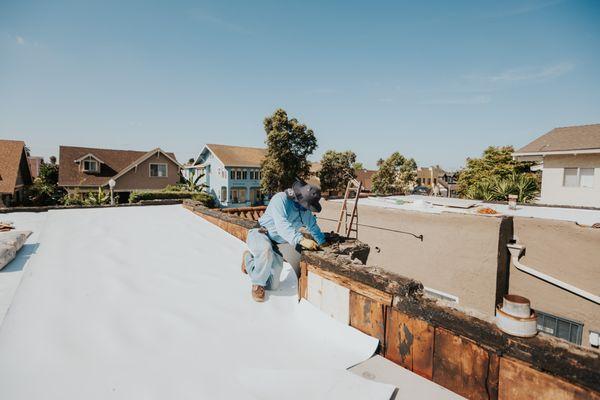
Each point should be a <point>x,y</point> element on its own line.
<point>437,205</point>
<point>149,302</point>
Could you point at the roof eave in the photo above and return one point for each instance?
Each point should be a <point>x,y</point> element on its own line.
<point>555,152</point>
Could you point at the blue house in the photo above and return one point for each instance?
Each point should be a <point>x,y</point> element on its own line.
<point>232,174</point>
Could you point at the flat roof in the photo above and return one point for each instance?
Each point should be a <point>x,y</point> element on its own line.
<point>150,302</point>
<point>437,205</point>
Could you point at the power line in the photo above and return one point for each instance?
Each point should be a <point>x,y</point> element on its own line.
<point>420,237</point>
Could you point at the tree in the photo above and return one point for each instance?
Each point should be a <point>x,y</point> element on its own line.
<point>45,190</point>
<point>483,177</point>
<point>289,143</point>
<point>524,186</point>
<point>358,166</point>
<point>336,169</point>
<point>395,175</point>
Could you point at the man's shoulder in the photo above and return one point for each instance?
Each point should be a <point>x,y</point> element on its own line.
<point>281,196</point>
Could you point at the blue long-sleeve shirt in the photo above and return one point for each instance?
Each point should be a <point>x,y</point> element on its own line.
<point>283,218</point>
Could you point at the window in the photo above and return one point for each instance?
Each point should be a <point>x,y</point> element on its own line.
<point>570,178</point>
<point>238,174</point>
<point>223,193</point>
<point>232,174</point>
<point>586,177</point>
<point>254,174</point>
<point>158,170</point>
<point>559,327</point>
<point>244,174</point>
<point>578,177</point>
<point>90,166</point>
<point>238,195</point>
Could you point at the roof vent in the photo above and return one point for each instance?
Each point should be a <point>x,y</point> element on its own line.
<point>515,316</point>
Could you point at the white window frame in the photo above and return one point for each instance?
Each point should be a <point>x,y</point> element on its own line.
<point>90,161</point>
<point>578,185</point>
<point>158,176</point>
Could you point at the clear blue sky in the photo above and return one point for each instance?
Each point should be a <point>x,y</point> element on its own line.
<point>438,81</point>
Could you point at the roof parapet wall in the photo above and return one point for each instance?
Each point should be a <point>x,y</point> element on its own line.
<point>465,353</point>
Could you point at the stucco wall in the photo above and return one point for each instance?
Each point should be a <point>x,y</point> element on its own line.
<point>565,251</point>
<point>140,179</point>
<point>553,191</point>
<point>458,255</point>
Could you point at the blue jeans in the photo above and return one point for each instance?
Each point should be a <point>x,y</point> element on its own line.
<point>266,263</point>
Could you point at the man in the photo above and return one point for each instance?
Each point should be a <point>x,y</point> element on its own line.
<point>279,236</point>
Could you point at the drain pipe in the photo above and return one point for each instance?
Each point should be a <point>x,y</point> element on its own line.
<point>516,250</point>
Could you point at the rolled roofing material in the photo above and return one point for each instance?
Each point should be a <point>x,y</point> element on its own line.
<point>149,302</point>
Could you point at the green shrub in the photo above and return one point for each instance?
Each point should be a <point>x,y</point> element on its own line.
<point>96,198</point>
<point>204,198</point>
<point>73,199</point>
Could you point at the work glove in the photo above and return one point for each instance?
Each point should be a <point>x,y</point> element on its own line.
<point>309,244</point>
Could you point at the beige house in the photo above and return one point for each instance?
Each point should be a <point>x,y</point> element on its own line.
<point>84,169</point>
<point>570,162</point>
<point>428,176</point>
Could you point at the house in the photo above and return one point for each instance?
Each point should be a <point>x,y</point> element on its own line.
<point>428,176</point>
<point>14,172</point>
<point>232,173</point>
<point>84,169</point>
<point>366,177</point>
<point>569,158</point>
<point>35,163</point>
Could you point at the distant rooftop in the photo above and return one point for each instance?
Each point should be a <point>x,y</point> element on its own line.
<point>565,139</point>
<point>238,156</point>
<point>112,162</point>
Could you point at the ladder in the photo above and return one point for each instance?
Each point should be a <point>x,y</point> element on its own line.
<point>351,223</point>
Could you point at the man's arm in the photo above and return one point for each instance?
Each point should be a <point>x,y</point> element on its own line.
<point>313,228</point>
<point>283,226</point>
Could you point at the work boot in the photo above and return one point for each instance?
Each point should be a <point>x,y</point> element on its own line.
<point>258,293</point>
<point>245,259</point>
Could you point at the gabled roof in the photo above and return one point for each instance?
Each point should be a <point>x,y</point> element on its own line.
<point>12,158</point>
<point>89,155</point>
<point>566,140</point>
<point>115,163</point>
<point>237,156</point>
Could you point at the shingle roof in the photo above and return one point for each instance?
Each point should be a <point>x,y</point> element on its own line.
<point>114,162</point>
<point>582,137</point>
<point>11,152</point>
<point>238,156</point>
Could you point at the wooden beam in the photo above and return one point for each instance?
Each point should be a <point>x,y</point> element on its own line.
<point>361,288</point>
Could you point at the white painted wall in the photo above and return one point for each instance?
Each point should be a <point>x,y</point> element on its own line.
<point>553,190</point>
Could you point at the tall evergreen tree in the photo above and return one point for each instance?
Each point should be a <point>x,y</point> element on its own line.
<point>289,143</point>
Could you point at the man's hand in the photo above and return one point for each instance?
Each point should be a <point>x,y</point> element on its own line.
<point>309,244</point>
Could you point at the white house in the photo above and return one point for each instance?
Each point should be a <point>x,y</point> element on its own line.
<point>232,174</point>
<point>570,161</point>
